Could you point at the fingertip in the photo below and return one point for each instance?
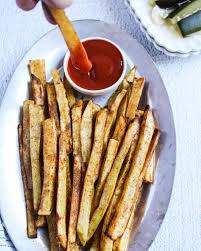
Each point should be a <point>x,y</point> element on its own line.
<point>60,4</point>
<point>26,4</point>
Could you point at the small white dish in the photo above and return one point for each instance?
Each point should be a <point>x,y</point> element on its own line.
<point>164,37</point>
<point>101,91</point>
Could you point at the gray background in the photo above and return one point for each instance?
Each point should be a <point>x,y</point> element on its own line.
<point>181,229</point>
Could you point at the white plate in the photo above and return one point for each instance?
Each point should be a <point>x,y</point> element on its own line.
<point>164,37</point>
<point>52,48</point>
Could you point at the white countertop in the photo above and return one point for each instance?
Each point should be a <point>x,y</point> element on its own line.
<point>181,229</point>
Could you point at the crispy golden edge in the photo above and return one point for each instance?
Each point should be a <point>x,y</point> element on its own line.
<point>120,129</point>
<point>112,117</point>
<point>52,231</point>
<point>136,92</point>
<point>91,176</point>
<point>124,85</point>
<point>75,200</point>
<point>50,165</point>
<point>149,164</point>
<point>63,108</point>
<point>123,209</point>
<point>52,104</point>
<point>38,80</point>
<point>69,93</point>
<point>111,180</point>
<point>87,132</point>
<point>26,141</point>
<point>105,169</point>
<point>36,118</point>
<point>31,228</point>
<point>41,221</point>
<point>122,243</point>
<point>61,203</point>
<point>96,109</point>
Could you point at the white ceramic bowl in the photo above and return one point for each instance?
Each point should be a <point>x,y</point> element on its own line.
<point>101,91</point>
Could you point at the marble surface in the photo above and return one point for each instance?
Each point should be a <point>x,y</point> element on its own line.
<point>181,229</point>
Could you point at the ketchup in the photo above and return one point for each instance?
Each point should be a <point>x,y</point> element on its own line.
<point>107,66</point>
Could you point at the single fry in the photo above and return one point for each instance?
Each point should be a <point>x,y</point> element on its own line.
<point>26,141</point>
<point>78,53</point>
<point>52,231</point>
<point>68,179</point>
<point>123,107</point>
<point>91,176</point>
<point>121,216</point>
<point>75,202</point>
<point>112,117</point>
<point>50,161</point>
<point>135,96</point>
<point>52,104</point>
<point>69,93</point>
<point>111,180</point>
<point>38,80</point>
<point>63,108</point>
<point>86,132</point>
<point>76,114</point>
<point>120,129</point>
<point>124,85</point>
<point>105,169</point>
<point>31,228</point>
<point>149,164</point>
<point>36,118</point>
<point>61,204</point>
<point>122,243</point>
<point>131,74</point>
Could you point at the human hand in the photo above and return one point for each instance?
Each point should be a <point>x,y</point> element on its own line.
<point>30,4</point>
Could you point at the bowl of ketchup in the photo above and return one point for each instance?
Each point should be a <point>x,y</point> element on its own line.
<point>108,67</point>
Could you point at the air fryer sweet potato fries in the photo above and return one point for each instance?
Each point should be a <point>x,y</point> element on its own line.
<point>83,167</point>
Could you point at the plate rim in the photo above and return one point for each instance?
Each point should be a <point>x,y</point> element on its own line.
<point>147,54</point>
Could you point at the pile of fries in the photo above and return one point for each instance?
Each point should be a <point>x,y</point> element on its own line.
<point>83,166</point>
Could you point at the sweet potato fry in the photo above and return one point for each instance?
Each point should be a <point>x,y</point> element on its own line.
<point>86,132</point>
<point>75,202</point>
<point>61,204</point>
<point>135,96</point>
<point>78,54</point>
<point>120,129</point>
<point>112,177</point>
<point>131,74</point>
<point>123,107</point>
<point>38,80</point>
<point>52,104</point>
<point>50,164</point>
<point>36,118</point>
<point>26,142</point>
<point>106,167</point>
<point>112,117</point>
<point>52,231</point>
<point>31,228</point>
<point>69,93</point>
<point>125,84</point>
<point>63,108</point>
<point>76,113</point>
<point>121,244</point>
<point>123,209</point>
<point>91,177</point>
<point>149,164</point>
